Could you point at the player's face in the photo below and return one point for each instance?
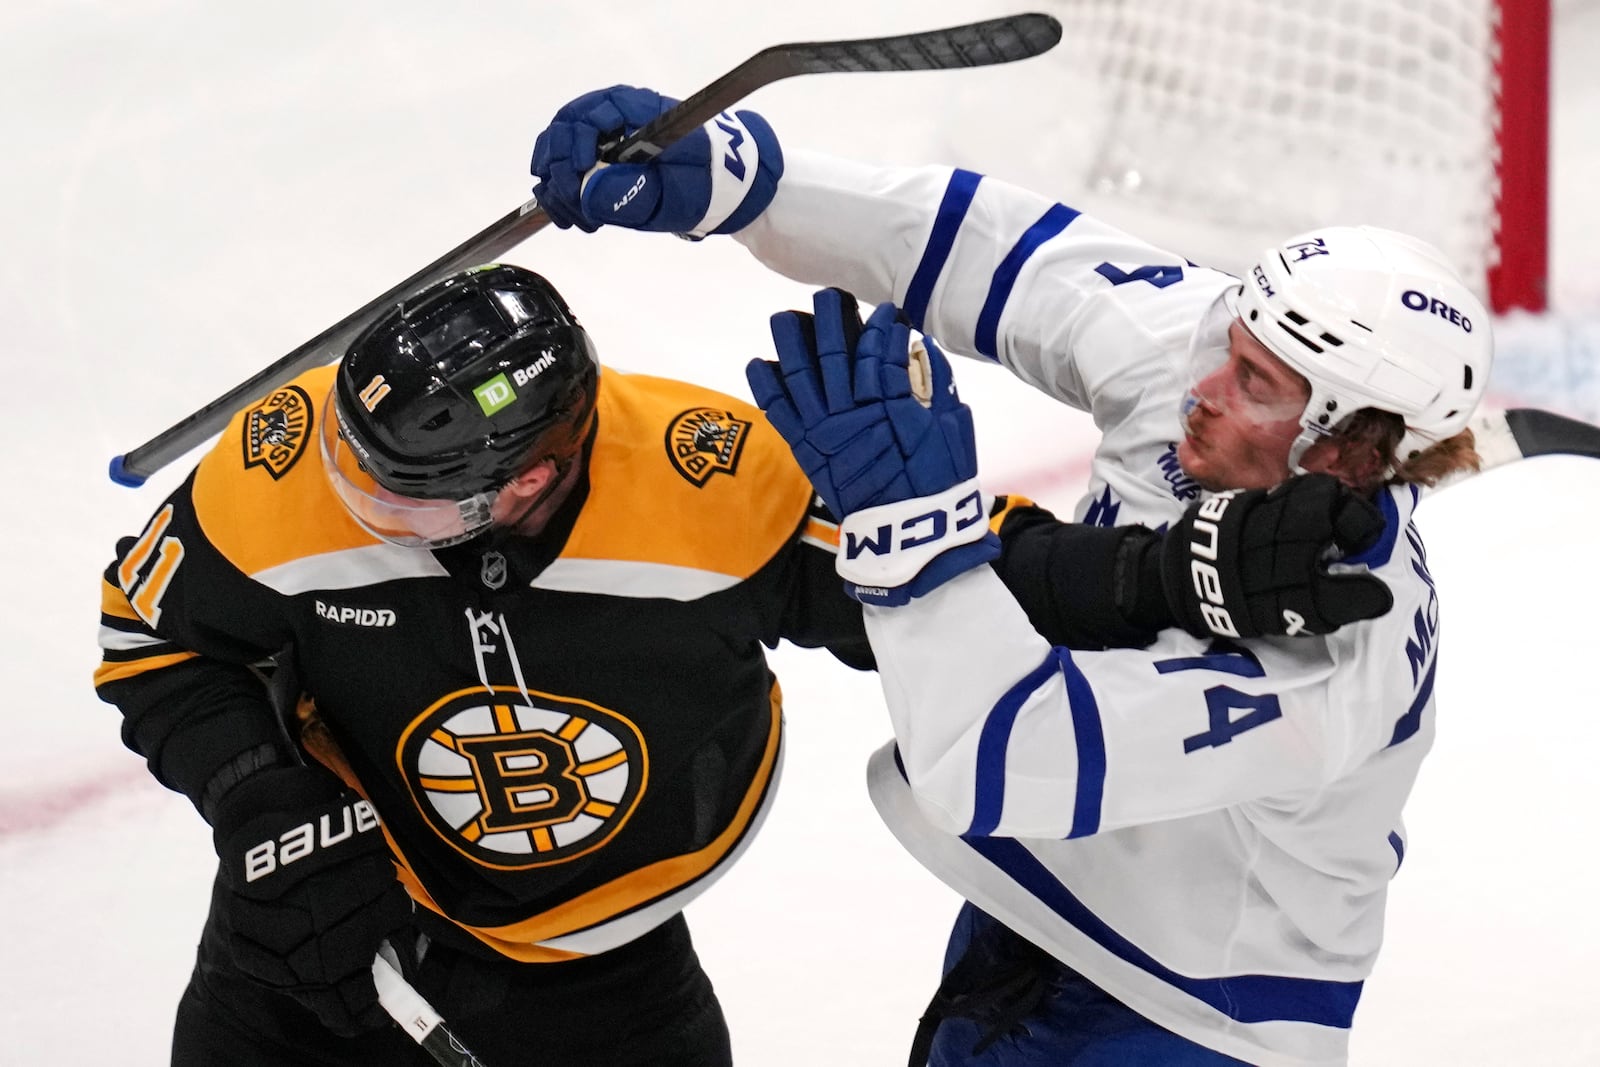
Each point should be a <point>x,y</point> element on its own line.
<point>1242,416</point>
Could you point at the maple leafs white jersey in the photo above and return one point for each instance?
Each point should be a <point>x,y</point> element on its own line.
<point>1206,830</point>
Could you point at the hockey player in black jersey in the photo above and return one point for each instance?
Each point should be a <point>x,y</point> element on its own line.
<point>458,644</point>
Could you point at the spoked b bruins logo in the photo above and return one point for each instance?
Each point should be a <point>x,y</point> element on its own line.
<point>276,430</point>
<point>703,441</point>
<point>514,782</point>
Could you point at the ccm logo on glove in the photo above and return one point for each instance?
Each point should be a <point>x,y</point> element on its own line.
<point>1203,565</point>
<point>261,860</point>
<point>965,512</point>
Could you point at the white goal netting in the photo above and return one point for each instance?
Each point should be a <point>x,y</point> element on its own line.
<point>1217,127</point>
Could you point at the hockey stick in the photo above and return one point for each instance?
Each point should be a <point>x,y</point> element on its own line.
<point>1523,433</point>
<point>415,1015</point>
<point>977,44</point>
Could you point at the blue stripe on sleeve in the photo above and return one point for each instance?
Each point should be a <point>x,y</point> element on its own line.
<point>1246,998</point>
<point>1091,739</point>
<point>1399,847</point>
<point>990,787</point>
<point>952,210</point>
<point>1050,223</point>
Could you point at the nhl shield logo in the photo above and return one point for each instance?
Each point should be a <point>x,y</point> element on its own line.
<point>516,779</point>
<point>276,430</point>
<point>705,441</point>
<point>492,570</point>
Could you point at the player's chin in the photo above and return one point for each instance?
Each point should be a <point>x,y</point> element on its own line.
<point>1198,463</point>
<point>1191,456</point>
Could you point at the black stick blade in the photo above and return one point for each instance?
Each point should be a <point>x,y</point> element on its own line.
<point>978,44</point>
<point>1544,433</point>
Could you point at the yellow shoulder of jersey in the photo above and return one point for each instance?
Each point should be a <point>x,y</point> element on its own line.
<point>680,475</point>
<point>260,494</point>
<point>686,476</point>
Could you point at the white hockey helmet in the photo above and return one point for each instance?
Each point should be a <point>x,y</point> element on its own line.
<point>1371,318</point>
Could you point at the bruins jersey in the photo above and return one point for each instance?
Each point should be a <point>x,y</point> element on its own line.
<point>567,738</point>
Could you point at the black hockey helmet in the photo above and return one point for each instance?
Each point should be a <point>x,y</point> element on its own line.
<point>453,392</point>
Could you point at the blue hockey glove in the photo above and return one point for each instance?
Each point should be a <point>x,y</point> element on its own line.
<point>715,180</point>
<point>874,420</point>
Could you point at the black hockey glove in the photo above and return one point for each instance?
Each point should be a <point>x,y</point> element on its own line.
<point>309,892</point>
<point>1254,563</point>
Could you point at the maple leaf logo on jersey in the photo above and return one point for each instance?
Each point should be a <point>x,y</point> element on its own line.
<point>703,441</point>
<point>514,782</point>
<point>276,430</point>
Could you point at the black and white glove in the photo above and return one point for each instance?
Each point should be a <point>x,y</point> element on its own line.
<point>309,891</point>
<point>1255,563</point>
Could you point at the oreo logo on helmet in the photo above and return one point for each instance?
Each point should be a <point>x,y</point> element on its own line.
<point>1423,302</point>
<point>705,441</point>
<point>276,430</point>
<point>515,782</point>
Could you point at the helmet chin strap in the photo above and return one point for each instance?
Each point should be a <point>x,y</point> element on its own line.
<point>1300,446</point>
<point>511,527</point>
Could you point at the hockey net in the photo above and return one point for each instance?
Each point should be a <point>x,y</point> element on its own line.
<point>1218,127</point>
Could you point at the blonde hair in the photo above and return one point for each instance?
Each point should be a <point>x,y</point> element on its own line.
<point>1381,431</point>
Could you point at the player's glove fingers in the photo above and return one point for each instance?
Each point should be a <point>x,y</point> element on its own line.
<point>1347,598</point>
<point>960,440</point>
<point>836,322</point>
<point>1358,524</point>
<point>884,340</point>
<point>942,392</point>
<point>875,481</point>
<point>795,339</point>
<point>847,436</point>
<point>771,395</point>
<point>562,154</point>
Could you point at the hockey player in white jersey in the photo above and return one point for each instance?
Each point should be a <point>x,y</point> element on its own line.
<point>1198,835</point>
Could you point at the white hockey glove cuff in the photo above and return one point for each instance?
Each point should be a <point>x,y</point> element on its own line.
<point>893,552</point>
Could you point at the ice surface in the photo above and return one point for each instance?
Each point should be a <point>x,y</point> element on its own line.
<point>192,189</point>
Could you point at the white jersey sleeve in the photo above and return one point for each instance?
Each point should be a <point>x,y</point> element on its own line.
<point>1067,302</point>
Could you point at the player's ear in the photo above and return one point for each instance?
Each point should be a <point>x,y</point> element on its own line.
<point>533,481</point>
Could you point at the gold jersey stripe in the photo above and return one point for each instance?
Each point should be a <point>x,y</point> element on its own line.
<point>824,533</point>
<point>116,672</point>
<point>114,602</point>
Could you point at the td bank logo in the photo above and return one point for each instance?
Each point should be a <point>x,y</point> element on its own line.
<point>494,394</point>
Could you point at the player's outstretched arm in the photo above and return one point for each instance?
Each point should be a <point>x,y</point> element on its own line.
<point>1265,565</point>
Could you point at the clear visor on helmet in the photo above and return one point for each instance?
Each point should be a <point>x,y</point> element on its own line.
<point>411,522</point>
<point>1244,381</point>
